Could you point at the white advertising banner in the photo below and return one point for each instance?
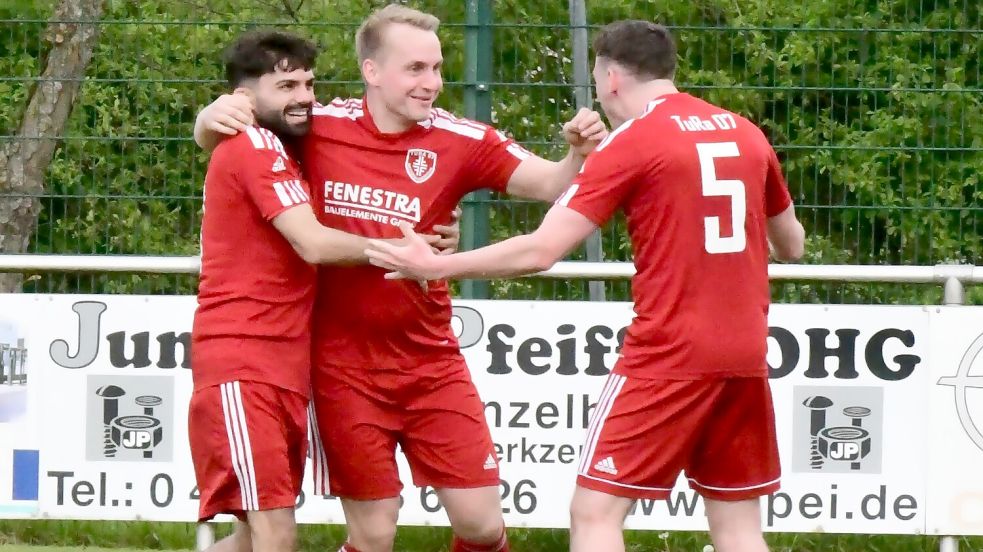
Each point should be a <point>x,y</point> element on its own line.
<point>849,394</point>
<point>18,421</point>
<point>845,381</point>
<point>116,379</point>
<point>955,492</point>
<point>109,383</point>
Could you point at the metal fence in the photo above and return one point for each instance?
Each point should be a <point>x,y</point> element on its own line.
<point>874,107</point>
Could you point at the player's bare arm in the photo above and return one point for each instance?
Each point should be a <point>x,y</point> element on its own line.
<point>545,180</point>
<point>318,244</point>
<point>786,235</point>
<point>562,230</point>
<point>228,115</point>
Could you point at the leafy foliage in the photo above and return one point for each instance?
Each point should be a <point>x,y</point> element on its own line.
<point>873,105</point>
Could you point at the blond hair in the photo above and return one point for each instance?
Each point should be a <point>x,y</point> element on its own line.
<point>368,38</point>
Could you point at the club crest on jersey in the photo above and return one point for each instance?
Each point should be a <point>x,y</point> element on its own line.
<point>420,164</point>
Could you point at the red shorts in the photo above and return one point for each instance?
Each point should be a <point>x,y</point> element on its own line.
<point>436,418</point>
<point>249,446</point>
<point>721,432</point>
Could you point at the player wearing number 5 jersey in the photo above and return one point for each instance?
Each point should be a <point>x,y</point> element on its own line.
<point>703,193</point>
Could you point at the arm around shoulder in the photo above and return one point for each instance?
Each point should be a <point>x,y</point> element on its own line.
<point>228,115</point>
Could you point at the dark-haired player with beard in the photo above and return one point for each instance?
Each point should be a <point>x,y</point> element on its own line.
<point>251,339</point>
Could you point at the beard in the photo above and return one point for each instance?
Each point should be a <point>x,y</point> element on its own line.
<point>276,121</point>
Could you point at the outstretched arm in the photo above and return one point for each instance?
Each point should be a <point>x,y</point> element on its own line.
<point>318,244</point>
<point>562,230</point>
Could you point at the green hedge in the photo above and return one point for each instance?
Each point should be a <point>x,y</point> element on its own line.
<point>874,107</point>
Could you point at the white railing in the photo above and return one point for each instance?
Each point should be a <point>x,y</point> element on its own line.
<point>938,274</point>
<point>952,276</point>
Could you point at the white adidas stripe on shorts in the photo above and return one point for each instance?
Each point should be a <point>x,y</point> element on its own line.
<point>240,450</point>
<point>319,461</point>
<point>604,404</point>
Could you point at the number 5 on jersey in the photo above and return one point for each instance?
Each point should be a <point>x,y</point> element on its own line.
<point>713,241</point>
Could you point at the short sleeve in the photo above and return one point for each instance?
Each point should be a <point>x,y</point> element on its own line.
<point>267,176</point>
<point>777,198</point>
<point>494,159</point>
<point>608,177</point>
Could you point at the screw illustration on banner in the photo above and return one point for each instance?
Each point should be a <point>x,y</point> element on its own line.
<point>839,439</point>
<point>139,432</point>
<point>110,411</point>
<point>127,418</point>
<point>817,421</point>
<point>850,443</point>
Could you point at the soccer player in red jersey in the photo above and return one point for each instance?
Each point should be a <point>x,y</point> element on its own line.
<point>251,361</point>
<point>388,368</point>
<point>704,196</point>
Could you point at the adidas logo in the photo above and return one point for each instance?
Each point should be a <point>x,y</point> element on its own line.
<point>607,466</point>
<point>490,462</point>
<point>279,165</point>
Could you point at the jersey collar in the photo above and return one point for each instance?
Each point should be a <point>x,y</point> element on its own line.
<point>368,123</point>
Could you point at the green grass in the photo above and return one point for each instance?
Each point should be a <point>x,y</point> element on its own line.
<point>39,548</point>
<point>30,536</point>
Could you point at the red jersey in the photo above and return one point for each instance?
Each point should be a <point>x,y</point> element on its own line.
<point>255,293</point>
<point>697,184</point>
<point>366,182</point>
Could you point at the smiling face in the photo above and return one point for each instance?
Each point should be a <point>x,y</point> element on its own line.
<point>405,72</point>
<point>284,99</point>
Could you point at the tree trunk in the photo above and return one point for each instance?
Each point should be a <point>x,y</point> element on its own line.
<point>72,32</point>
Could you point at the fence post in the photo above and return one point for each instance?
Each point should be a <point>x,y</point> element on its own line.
<point>953,294</point>
<point>583,98</point>
<point>477,106</point>
<point>204,536</point>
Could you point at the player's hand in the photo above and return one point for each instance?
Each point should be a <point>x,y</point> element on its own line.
<point>585,131</point>
<point>414,259</point>
<point>229,114</point>
<point>431,239</point>
<point>450,234</point>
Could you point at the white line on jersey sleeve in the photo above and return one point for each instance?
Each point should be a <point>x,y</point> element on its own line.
<point>255,137</point>
<point>568,195</point>
<point>295,184</point>
<point>281,193</point>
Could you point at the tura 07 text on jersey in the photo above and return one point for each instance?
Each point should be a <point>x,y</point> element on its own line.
<point>694,123</point>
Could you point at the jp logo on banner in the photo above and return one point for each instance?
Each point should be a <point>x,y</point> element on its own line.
<point>967,381</point>
<point>837,429</point>
<point>129,418</point>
